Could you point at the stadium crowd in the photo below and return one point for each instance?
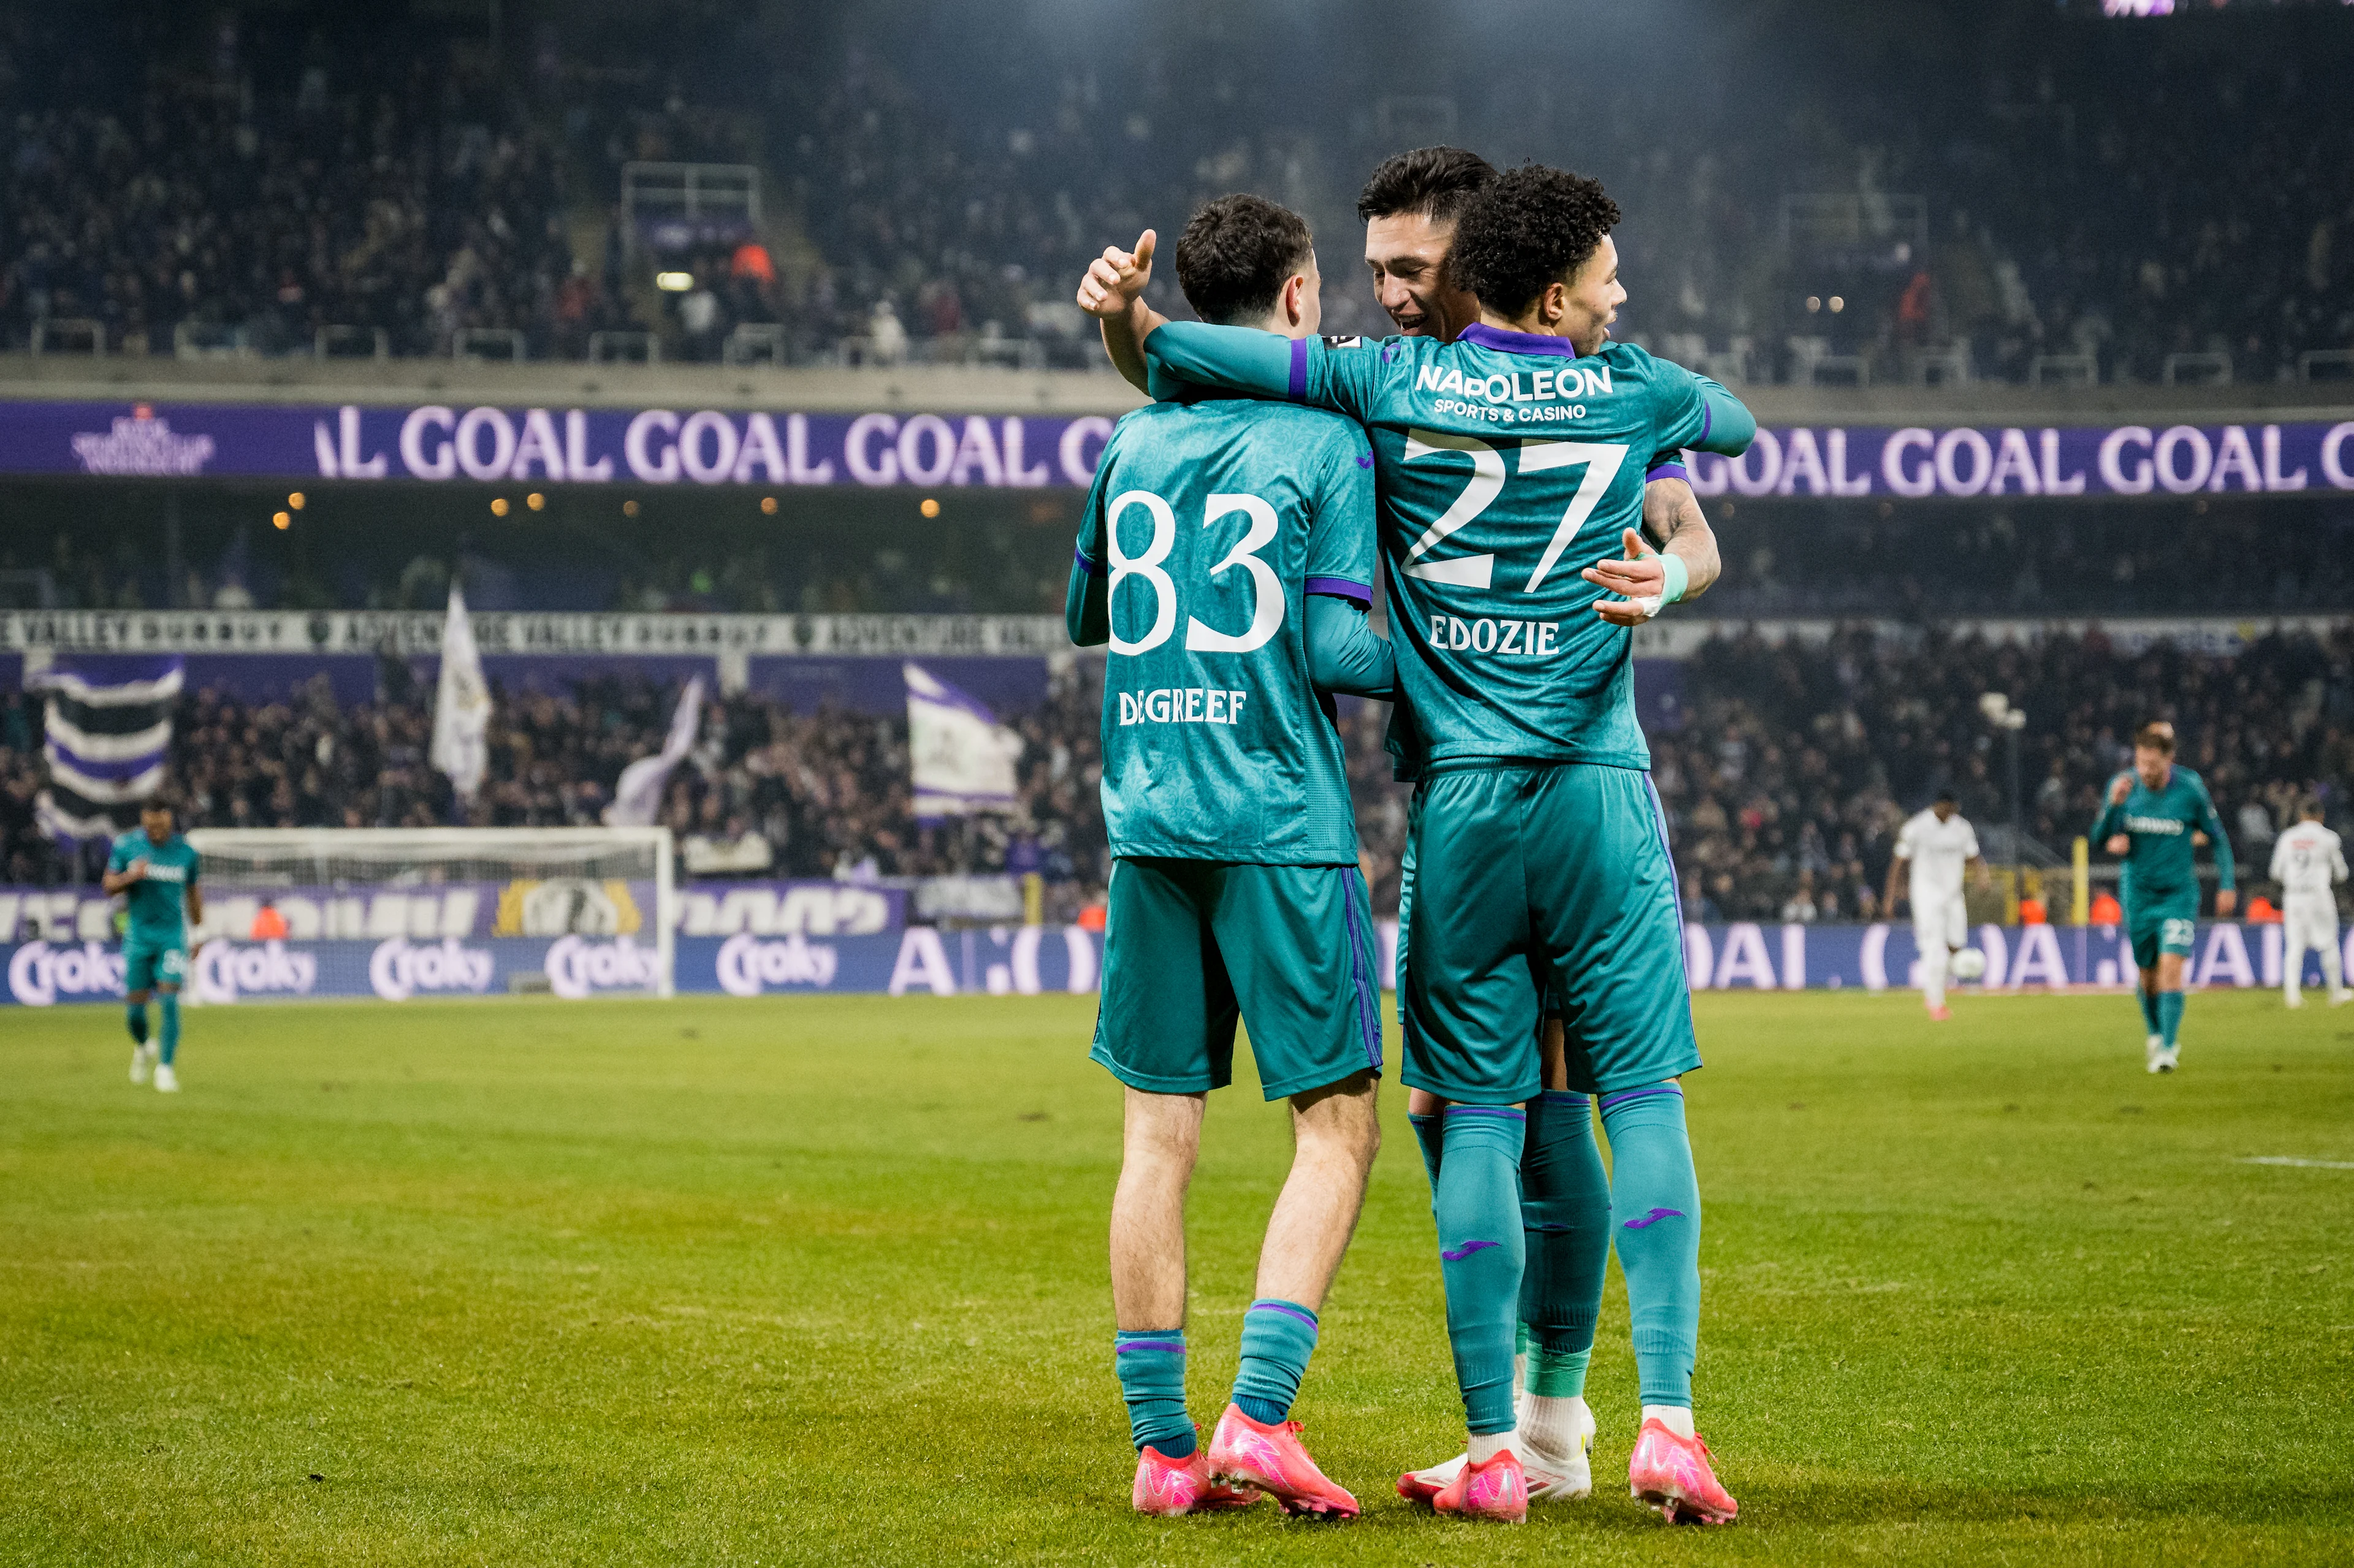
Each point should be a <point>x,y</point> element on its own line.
<point>1785,783</point>
<point>1797,764</point>
<point>766,789</point>
<point>2082,187</point>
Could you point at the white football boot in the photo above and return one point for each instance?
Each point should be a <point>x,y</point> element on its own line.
<point>142,1059</point>
<point>2153,1053</point>
<point>1551,1478</point>
<point>166,1081</point>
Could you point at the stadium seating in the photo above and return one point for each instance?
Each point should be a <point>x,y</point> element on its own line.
<point>1904,220</point>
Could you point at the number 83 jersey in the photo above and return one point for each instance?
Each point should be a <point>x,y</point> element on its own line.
<point>1507,464</point>
<point>1214,521</point>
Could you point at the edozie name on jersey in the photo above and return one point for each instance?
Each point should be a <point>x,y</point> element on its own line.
<point>1530,638</point>
<point>1182,704</point>
<point>1530,388</point>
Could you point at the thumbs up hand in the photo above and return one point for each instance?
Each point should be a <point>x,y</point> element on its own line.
<point>1116,278</point>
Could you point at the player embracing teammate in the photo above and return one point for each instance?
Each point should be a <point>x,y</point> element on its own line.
<point>1226,559</point>
<point>1543,883</point>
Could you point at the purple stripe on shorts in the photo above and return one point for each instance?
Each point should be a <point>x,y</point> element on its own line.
<point>1342,587</point>
<point>1368,1017</point>
<point>1286,1308</point>
<point>1299,369</point>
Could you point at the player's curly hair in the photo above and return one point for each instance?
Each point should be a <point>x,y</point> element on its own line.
<point>1235,256</point>
<point>1533,226</point>
<point>1437,182</point>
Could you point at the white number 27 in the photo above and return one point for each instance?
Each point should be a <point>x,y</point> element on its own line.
<point>1601,459</point>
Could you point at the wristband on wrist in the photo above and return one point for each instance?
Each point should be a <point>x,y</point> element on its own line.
<point>1678,578</point>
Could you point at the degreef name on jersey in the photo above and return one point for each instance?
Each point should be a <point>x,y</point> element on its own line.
<point>1484,529</point>
<point>1215,520</point>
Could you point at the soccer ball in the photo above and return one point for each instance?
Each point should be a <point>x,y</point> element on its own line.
<point>1968,964</point>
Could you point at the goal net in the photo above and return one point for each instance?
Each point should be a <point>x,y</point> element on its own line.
<point>401,912</point>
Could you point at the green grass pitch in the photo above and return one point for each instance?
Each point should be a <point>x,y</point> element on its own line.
<point>821,1280</point>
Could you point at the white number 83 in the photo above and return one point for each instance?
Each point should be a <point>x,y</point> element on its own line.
<point>1267,603</point>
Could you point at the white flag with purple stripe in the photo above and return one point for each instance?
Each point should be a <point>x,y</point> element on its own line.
<point>106,737</point>
<point>637,795</point>
<point>962,758</point>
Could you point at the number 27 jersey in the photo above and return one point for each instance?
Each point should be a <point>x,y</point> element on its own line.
<point>1214,521</point>
<point>1506,464</point>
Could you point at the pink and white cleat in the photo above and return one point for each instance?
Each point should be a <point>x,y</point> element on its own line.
<point>1245,1455</point>
<point>1497,1491</point>
<point>1941,1014</point>
<point>1169,1488</point>
<point>1672,1474</point>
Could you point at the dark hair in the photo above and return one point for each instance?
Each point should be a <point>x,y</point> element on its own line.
<point>1437,182</point>
<point>2158,735</point>
<point>1946,796</point>
<point>1533,226</point>
<point>1236,254</point>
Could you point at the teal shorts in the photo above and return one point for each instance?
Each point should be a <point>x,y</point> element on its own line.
<point>2162,923</point>
<point>1191,946</point>
<point>1405,910</point>
<point>1542,888</point>
<point>146,965</point>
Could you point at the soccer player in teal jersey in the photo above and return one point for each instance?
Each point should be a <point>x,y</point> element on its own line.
<point>1410,205</point>
<point>1542,869</point>
<point>2156,816</point>
<point>155,870</point>
<point>1226,558</point>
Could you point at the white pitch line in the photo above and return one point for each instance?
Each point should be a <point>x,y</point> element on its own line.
<point>2293,1159</point>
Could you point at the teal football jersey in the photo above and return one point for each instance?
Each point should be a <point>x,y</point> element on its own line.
<point>1505,464</point>
<point>157,901</point>
<point>2159,823</point>
<point>1214,521</point>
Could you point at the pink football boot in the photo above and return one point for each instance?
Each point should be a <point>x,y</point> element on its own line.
<point>1244,1454</point>
<point>1168,1488</point>
<point>1672,1474</point>
<point>1497,1491</point>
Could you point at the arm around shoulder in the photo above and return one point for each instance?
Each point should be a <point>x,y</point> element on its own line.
<point>1238,359</point>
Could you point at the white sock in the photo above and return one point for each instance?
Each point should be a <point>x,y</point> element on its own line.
<point>2333,967</point>
<point>1932,977</point>
<point>1554,1427</point>
<point>1483,1449</point>
<point>1676,1418</point>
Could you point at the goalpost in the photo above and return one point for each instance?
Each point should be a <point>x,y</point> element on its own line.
<point>601,897</point>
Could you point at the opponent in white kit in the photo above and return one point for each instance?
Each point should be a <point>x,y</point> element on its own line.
<point>2306,860</point>
<point>1938,844</point>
